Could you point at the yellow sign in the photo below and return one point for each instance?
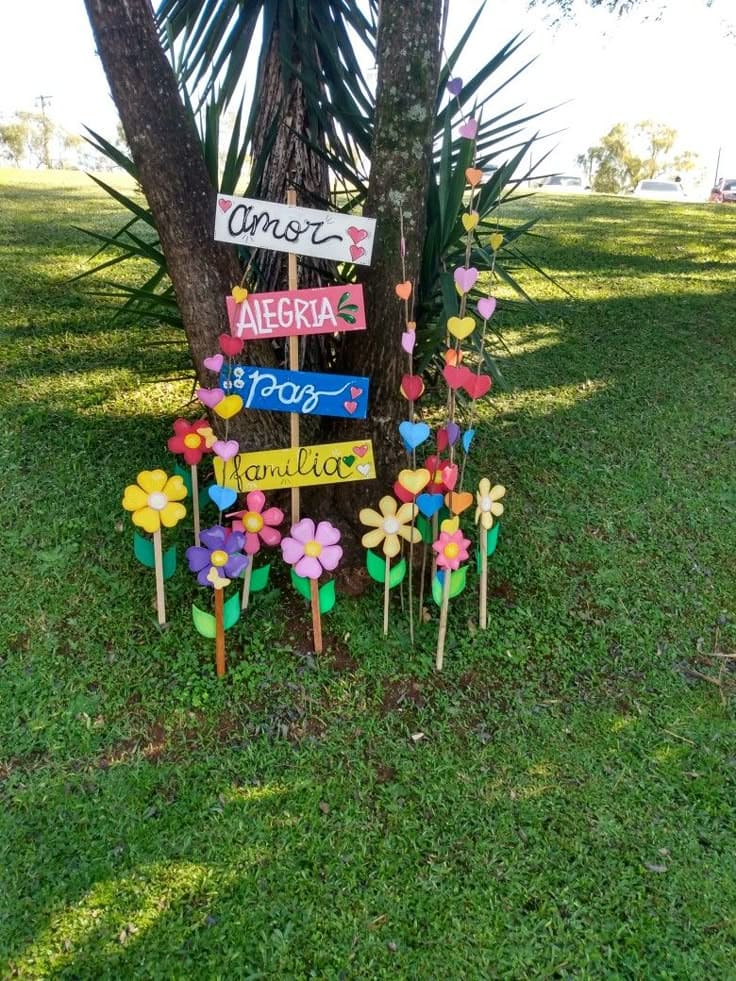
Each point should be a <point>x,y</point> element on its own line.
<point>302,466</point>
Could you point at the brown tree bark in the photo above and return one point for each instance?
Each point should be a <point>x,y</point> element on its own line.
<point>166,150</point>
<point>408,72</point>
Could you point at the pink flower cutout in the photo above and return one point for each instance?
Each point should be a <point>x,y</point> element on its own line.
<point>256,524</point>
<point>188,440</point>
<point>451,549</point>
<point>310,549</point>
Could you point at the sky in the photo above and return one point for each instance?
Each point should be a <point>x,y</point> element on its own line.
<point>678,69</point>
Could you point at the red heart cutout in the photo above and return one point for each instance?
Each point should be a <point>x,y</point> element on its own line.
<point>455,377</point>
<point>403,494</point>
<point>231,346</point>
<point>443,440</point>
<point>449,476</point>
<point>350,407</point>
<point>355,392</point>
<point>360,450</point>
<point>477,385</point>
<point>224,205</point>
<point>357,234</point>
<point>412,387</point>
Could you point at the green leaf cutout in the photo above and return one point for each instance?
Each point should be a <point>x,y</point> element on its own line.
<point>327,596</point>
<point>491,543</point>
<point>425,528</point>
<point>204,622</point>
<point>143,551</point>
<point>259,578</point>
<point>301,585</point>
<point>231,611</point>
<point>397,574</point>
<point>345,296</point>
<point>186,476</point>
<point>457,584</point>
<point>346,317</point>
<point>375,565</point>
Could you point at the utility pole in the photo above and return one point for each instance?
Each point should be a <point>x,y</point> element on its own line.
<point>43,101</point>
<point>718,166</point>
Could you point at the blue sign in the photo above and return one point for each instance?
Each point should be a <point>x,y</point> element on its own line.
<point>306,392</point>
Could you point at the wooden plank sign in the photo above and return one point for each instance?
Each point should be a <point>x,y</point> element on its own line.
<point>306,392</point>
<point>286,228</point>
<point>298,313</point>
<point>301,466</point>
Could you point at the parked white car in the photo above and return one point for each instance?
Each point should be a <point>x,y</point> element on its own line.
<point>563,184</point>
<point>660,190</point>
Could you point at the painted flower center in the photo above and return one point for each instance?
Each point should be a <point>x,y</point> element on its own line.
<point>452,550</point>
<point>312,549</point>
<point>157,501</point>
<point>391,526</point>
<point>485,503</point>
<point>192,441</point>
<point>219,558</point>
<point>252,522</point>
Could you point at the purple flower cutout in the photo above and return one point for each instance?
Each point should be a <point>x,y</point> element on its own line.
<point>310,549</point>
<point>220,550</point>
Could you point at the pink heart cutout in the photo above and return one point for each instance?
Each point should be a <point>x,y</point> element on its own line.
<point>486,307</point>
<point>360,450</point>
<point>408,340</point>
<point>210,396</point>
<point>355,392</point>
<point>477,385</point>
<point>350,407</point>
<point>356,252</point>
<point>214,363</point>
<point>466,278</point>
<point>357,234</point>
<point>469,129</point>
<point>226,450</point>
<point>224,205</point>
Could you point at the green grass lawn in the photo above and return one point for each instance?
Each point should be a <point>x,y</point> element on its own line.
<point>569,808</point>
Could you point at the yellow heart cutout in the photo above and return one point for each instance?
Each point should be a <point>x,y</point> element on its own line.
<point>461,328</point>
<point>496,241</point>
<point>229,406</point>
<point>450,525</point>
<point>470,220</point>
<point>239,294</point>
<point>414,481</point>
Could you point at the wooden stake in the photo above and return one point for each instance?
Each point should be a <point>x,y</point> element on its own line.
<point>435,536</point>
<point>386,595</point>
<point>158,559</point>
<point>219,633</point>
<point>421,582</point>
<point>195,501</point>
<point>246,584</point>
<point>316,616</point>
<point>483,618</point>
<point>293,366</point>
<point>439,660</point>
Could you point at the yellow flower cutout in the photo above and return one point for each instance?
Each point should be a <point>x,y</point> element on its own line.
<point>388,525</point>
<point>153,500</point>
<point>488,500</point>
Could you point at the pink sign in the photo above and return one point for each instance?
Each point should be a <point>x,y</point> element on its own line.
<point>329,310</point>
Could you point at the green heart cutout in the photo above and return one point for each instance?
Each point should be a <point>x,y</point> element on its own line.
<point>348,460</point>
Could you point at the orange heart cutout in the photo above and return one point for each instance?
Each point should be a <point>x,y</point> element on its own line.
<point>453,357</point>
<point>458,501</point>
<point>461,327</point>
<point>470,220</point>
<point>239,294</point>
<point>450,525</point>
<point>473,176</point>
<point>403,290</point>
<point>414,480</point>
<point>496,241</point>
<point>229,406</point>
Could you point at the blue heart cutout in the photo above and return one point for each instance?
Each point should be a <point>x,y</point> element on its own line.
<point>414,433</point>
<point>223,497</point>
<point>468,438</point>
<point>429,504</point>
